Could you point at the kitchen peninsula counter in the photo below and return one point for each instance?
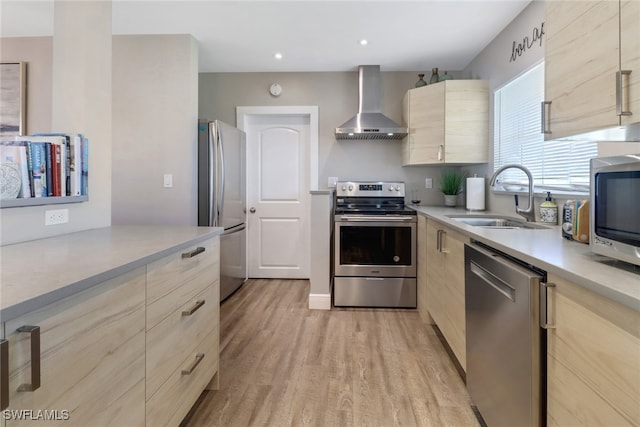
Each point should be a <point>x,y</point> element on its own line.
<point>38,272</point>
<point>548,250</point>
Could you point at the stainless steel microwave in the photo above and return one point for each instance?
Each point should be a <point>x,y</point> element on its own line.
<point>615,207</point>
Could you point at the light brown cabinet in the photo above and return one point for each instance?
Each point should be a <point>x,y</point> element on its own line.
<point>445,285</point>
<point>91,358</point>
<point>593,359</point>
<point>448,123</point>
<point>182,336</point>
<point>135,350</point>
<point>592,66</point>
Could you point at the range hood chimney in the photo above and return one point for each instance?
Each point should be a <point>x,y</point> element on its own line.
<point>369,122</point>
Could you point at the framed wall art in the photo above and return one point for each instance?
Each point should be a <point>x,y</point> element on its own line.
<point>13,99</point>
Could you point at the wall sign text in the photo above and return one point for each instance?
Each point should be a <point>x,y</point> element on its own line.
<point>527,43</point>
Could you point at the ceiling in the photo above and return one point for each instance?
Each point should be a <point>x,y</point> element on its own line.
<point>243,36</point>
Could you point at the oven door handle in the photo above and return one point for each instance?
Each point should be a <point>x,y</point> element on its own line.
<point>380,218</point>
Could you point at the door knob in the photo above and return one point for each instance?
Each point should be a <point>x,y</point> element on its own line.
<point>252,210</point>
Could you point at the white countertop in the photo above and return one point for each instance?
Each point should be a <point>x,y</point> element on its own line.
<point>39,272</point>
<point>548,250</point>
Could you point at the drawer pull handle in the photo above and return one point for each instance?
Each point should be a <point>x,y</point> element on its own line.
<point>4,374</point>
<point>193,366</point>
<point>34,332</point>
<point>193,253</point>
<point>193,309</point>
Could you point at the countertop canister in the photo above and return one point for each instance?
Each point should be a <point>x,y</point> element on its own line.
<point>475,194</point>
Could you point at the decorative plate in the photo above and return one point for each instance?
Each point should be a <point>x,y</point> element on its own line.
<point>10,182</point>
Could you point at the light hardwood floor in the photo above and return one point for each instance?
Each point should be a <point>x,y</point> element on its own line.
<point>282,364</point>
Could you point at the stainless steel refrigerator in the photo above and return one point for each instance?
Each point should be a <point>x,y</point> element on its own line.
<point>222,196</point>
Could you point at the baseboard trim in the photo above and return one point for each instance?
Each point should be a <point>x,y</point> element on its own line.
<point>319,301</point>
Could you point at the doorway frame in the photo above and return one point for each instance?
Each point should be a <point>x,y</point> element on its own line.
<point>243,118</point>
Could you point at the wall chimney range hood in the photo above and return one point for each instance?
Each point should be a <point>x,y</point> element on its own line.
<point>369,122</point>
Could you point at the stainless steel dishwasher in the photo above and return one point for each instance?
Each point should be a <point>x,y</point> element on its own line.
<point>506,347</point>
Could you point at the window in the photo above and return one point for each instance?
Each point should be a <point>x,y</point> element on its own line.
<point>560,165</point>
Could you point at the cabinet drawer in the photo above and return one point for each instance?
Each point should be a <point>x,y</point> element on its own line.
<point>176,337</point>
<point>91,356</point>
<point>177,395</point>
<point>174,281</point>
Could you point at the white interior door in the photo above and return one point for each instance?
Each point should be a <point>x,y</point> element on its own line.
<point>278,199</point>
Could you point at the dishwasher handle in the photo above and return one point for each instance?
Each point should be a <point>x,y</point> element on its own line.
<point>494,281</point>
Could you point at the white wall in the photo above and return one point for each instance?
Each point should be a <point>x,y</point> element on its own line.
<point>155,101</point>
<point>336,95</point>
<point>81,100</point>
<point>495,65</point>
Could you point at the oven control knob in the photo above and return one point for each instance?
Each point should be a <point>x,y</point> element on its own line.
<point>344,187</point>
<point>397,188</point>
<point>351,188</point>
<point>391,188</point>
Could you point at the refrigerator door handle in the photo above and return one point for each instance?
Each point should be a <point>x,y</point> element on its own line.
<point>213,203</point>
<point>221,180</point>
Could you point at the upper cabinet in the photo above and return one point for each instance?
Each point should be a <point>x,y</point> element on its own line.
<point>448,123</point>
<point>592,66</point>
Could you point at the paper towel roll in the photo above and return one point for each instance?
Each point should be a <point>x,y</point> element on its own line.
<point>475,194</point>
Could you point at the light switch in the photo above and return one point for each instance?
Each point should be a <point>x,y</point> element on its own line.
<point>168,180</point>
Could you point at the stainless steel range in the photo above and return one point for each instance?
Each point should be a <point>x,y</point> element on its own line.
<point>374,246</point>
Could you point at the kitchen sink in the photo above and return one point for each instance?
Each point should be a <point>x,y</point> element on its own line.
<point>492,221</point>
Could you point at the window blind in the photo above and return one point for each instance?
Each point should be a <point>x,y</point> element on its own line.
<point>518,139</point>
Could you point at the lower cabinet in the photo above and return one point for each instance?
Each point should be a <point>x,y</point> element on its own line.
<point>135,350</point>
<point>86,353</point>
<point>183,312</point>
<point>593,359</point>
<point>445,285</point>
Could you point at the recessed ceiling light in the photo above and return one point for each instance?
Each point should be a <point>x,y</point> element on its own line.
<point>363,42</point>
<point>278,55</point>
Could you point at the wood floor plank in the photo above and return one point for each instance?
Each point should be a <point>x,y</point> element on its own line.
<point>282,364</point>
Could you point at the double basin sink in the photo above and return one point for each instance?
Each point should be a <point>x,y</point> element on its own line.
<point>496,222</point>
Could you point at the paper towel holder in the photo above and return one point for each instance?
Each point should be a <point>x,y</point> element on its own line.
<point>475,193</point>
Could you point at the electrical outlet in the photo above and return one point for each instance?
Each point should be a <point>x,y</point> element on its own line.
<point>428,183</point>
<point>57,216</point>
<point>332,181</point>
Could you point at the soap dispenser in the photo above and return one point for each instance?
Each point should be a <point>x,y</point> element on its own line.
<point>549,210</point>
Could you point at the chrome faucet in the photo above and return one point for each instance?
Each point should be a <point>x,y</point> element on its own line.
<point>529,213</point>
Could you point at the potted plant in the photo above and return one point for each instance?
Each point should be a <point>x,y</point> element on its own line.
<point>451,184</point>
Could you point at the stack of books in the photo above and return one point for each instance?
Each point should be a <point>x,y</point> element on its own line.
<point>44,165</point>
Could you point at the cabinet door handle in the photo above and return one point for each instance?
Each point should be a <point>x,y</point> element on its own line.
<point>191,254</point>
<point>34,335</point>
<point>543,116</point>
<point>440,152</point>
<point>544,306</point>
<point>4,374</point>
<point>439,245</point>
<point>193,366</point>
<point>619,98</point>
<point>194,308</point>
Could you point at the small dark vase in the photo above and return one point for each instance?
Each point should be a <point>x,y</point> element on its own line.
<point>421,81</point>
<point>435,78</point>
